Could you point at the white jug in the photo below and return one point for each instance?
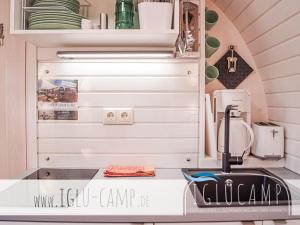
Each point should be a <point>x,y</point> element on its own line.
<point>241,137</point>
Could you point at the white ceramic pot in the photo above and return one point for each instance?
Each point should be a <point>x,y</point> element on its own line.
<point>241,137</point>
<point>155,15</point>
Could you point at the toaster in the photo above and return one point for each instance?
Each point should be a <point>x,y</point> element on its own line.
<point>268,140</point>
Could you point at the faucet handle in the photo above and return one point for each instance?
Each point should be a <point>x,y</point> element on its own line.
<point>231,107</point>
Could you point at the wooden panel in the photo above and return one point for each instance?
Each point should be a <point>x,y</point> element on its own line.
<point>121,146</point>
<point>288,115</point>
<point>254,11</point>
<point>139,99</point>
<point>223,4</point>
<point>283,100</point>
<point>118,131</point>
<point>281,69</point>
<point>12,101</point>
<point>270,19</point>
<point>116,69</point>
<point>279,34</point>
<point>137,84</point>
<point>101,161</point>
<point>292,131</point>
<point>280,52</point>
<point>236,8</point>
<point>141,115</point>
<point>292,147</point>
<point>285,84</point>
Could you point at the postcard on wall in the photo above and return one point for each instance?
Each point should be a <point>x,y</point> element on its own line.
<point>57,99</point>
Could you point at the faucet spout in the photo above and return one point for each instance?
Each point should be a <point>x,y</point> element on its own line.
<point>227,159</point>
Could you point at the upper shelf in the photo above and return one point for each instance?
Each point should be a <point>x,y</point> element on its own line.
<point>95,37</point>
<point>90,38</point>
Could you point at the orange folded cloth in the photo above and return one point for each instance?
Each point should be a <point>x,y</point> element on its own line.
<point>129,171</point>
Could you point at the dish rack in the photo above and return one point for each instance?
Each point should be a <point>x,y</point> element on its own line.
<point>27,9</point>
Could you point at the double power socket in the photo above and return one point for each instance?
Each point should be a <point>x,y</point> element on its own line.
<point>118,116</point>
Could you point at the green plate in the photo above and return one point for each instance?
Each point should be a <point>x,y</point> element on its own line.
<point>70,7</point>
<point>54,17</point>
<point>73,2</point>
<point>54,21</point>
<point>47,14</point>
<point>48,26</point>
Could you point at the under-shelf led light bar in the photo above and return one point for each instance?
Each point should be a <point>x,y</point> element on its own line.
<point>113,55</point>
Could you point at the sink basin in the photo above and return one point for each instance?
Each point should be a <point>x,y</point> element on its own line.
<point>242,187</point>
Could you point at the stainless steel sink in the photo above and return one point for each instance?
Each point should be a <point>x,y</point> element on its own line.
<point>242,187</point>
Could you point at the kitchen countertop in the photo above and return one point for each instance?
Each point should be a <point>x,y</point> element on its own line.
<point>193,213</point>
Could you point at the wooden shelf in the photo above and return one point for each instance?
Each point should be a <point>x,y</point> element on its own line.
<point>90,38</point>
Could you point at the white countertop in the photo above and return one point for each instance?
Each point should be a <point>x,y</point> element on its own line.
<point>193,213</point>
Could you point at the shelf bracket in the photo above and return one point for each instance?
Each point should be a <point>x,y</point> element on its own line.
<point>1,34</point>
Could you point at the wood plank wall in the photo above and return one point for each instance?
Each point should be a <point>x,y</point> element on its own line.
<point>12,101</point>
<point>163,94</point>
<point>271,31</point>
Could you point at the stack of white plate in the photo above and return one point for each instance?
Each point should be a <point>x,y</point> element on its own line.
<point>55,14</point>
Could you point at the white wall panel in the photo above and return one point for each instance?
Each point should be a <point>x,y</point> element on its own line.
<point>279,34</point>
<point>164,96</point>
<point>117,131</point>
<point>288,115</point>
<point>284,84</point>
<point>270,19</point>
<point>236,8</point>
<point>292,131</point>
<point>281,69</point>
<point>141,84</point>
<point>252,12</point>
<point>141,115</point>
<point>224,4</point>
<point>279,53</point>
<point>288,100</point>
<point>118,145</point>
<point>138,99</point>
<point>292,147</point>
<point>116,69</point>
<point>103,160</point>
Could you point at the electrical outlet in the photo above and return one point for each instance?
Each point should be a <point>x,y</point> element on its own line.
<point>125,116</point>
<point>109,116</point>
<point>118,116</point>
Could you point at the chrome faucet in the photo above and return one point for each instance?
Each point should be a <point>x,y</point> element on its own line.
<point>227,159</point>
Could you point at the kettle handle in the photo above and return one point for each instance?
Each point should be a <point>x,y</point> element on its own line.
<point>250,131</point>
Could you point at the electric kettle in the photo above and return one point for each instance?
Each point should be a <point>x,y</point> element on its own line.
<point>241,137</point>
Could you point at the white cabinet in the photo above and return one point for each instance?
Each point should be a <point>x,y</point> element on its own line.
<point>94,37</point>
<point>282,222</point>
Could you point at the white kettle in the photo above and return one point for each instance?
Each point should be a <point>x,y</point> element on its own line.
<point>241,137</point>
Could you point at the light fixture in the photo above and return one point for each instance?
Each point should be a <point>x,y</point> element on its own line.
<point>113,55</point>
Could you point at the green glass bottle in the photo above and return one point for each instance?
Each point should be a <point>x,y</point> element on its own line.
<point>124,14</point>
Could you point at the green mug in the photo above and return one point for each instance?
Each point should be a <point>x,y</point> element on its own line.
<point>211,73</point>
<point>212,45</point>
<point>211,18</point>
